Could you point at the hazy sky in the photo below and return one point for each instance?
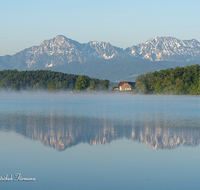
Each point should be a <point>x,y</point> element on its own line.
<point>122,23</point>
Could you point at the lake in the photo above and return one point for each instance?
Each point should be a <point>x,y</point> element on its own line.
<point>99,141</point>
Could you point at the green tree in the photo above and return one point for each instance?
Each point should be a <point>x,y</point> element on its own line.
<point>82,82</point>
<point>144,83</point>
<point>36,86</point>
<point>105,85</point>
<point>15,87</point>
<point>2,86</point>
<point>51,86</point>
<point>92,86</point>
<point>140,84</point>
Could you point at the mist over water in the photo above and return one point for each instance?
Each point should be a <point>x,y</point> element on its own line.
<point>84,138</point>
<point>102,116</point>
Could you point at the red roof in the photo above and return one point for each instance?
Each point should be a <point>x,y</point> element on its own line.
<point>123,82</point>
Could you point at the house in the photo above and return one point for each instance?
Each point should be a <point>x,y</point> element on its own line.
<point>115,88</point>
<point>126,85</point>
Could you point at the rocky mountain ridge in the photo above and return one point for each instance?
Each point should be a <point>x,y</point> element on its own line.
<point>166,49</point>
<point>103,60</point>
<point>61,50</point>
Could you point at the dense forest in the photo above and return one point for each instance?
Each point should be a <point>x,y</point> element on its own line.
<point>48,80</point>
<point>180,80</point>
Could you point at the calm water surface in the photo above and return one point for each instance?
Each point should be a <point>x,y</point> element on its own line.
<point>100,141</point>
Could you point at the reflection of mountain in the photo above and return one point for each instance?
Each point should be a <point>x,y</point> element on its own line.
<point>62,132</point>
<point>167,138</point>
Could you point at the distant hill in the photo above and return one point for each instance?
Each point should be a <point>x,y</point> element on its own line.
<point>103,60</point>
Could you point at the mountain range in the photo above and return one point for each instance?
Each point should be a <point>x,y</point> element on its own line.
<point>103,60</point>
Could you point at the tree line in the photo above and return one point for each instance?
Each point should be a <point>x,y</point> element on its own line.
<point>49,80</point>
<point>180,80</point>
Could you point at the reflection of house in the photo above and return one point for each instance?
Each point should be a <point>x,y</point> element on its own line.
<point>126,85</point>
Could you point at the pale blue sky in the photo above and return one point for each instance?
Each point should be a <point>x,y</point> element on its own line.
<point>122,23</point>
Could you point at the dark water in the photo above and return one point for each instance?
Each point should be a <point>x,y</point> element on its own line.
<point>100,141</point>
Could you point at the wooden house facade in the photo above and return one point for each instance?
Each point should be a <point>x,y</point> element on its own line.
<point>126,85</point>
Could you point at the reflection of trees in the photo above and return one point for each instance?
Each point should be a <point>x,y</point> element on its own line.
<point>62,132</point>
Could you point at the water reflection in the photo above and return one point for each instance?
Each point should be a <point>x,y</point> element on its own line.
<point>62,132</point>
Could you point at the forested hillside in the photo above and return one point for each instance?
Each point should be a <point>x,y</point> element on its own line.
<point>45,79</point>
<point>181,80</point>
